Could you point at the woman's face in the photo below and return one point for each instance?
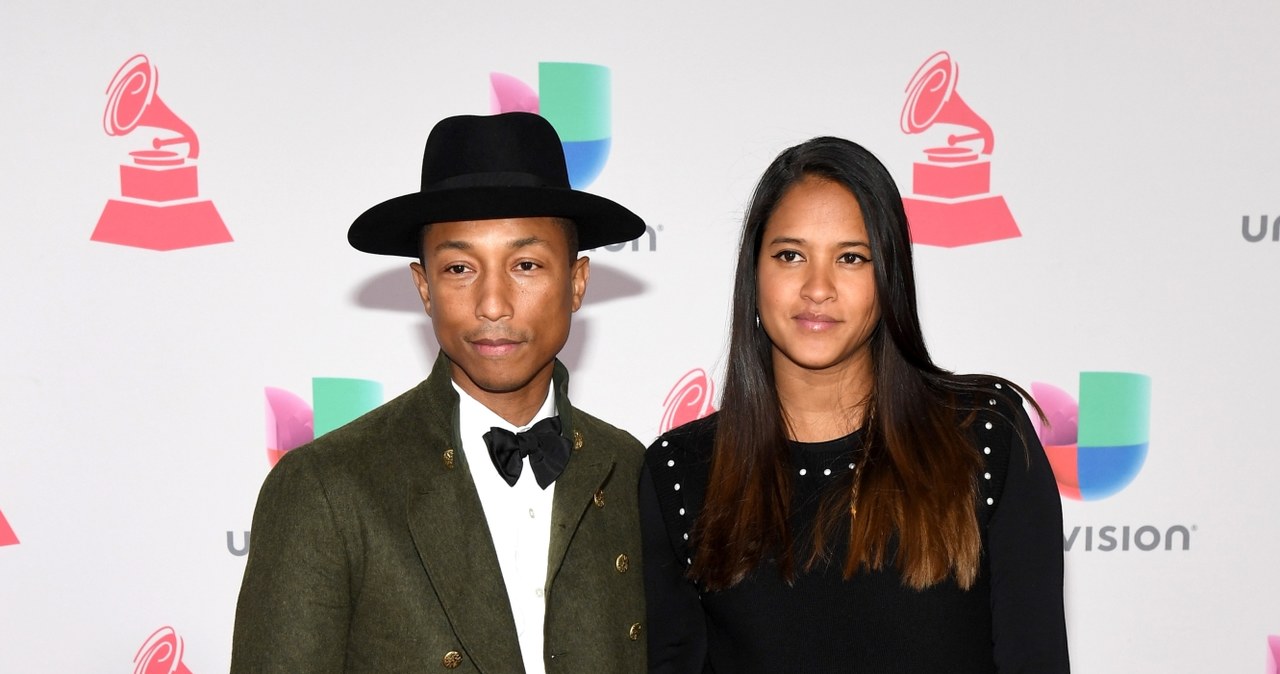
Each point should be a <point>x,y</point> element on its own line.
<point>817,293</point>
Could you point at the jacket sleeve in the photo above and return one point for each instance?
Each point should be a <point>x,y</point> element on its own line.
<point>293,611</point>
<point>677,626</point>
<point>1025,546</point>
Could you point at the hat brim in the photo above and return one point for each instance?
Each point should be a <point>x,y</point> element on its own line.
<point>394,226</point>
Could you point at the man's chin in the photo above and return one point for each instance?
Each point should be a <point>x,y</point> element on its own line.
<point>495,381</point>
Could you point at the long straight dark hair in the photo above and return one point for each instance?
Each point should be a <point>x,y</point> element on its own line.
<point>917,479</point>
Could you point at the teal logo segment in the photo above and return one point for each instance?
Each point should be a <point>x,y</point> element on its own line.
<point>339,401</point>
<point>577,99</point>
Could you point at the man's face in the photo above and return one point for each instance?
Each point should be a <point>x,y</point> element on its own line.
<point>500,294</point>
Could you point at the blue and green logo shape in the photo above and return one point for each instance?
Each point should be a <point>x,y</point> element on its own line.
<point>576,99</point>
<point>291,422</point>
<point>1098,445</point>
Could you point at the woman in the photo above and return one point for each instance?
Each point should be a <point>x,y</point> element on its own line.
<point>852,506</point>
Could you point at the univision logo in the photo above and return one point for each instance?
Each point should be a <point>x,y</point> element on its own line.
<point>1098,445</point>
<point>291,422</point>
<point>1248,234</point>
<point>577,99</point>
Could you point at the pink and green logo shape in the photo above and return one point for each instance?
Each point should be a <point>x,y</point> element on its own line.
<point>291,422</point>
<point>1096,446</point>
<point>576,99</point>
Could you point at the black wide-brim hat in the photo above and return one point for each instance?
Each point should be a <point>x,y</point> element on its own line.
<point>482,168</point>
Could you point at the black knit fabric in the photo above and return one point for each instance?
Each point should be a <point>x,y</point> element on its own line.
<point>1011,620</point>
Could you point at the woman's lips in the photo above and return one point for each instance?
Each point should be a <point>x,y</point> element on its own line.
<point>815,322</point>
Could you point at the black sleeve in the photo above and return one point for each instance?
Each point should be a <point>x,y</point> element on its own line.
<point>1025,547</point>
<point>677,627</point>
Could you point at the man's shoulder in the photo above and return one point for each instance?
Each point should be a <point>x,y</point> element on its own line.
<point>403,422</point>
<point>597,430</point>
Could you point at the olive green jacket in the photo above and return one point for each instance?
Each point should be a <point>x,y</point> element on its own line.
<point>370,552</point>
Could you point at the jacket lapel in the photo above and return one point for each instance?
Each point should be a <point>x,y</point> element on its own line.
<point>452,537</point>
<point>589,467</point>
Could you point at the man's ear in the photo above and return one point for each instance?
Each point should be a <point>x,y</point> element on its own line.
<point>581,273</point>
<point>420,280</point>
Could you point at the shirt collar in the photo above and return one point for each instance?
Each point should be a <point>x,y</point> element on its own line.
<point>474,419</point>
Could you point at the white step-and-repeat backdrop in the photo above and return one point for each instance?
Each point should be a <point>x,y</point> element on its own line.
<point>1092,185</point>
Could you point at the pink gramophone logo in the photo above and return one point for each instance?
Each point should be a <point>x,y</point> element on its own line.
<point>7,537</point>
<point>161,653</point>
<point>158,206</point>
<point>952,205</point>
<point>689,400</point>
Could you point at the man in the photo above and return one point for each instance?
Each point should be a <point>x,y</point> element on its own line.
<point>426,535</point>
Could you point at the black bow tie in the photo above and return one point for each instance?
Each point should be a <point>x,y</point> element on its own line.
<point>548,451</point>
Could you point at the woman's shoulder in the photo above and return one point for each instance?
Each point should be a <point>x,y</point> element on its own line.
<point>679,462</point>
<point>1002,433</point>
<point>691,441</point>
<point>987,392</point>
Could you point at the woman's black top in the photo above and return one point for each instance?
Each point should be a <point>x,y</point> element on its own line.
<point>1010,620</point>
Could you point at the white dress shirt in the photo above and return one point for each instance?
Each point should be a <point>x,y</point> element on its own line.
<point>519,520</point>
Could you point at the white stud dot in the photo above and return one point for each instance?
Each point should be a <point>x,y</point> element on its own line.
<point>664,443</point>
<point>991,402</point>
<point>688,560</point>
<point>827,471</point>
<point>998,385</point>
<point>677,486</point>
<point>671,462</point>
<point>803,472</point>
<point>986,450</point>
<point>990,501</point>
<point>986,476</point>
<point>686,537</point>
<point>851,466</point>
<point>988,425</point>
<point>682,511</point>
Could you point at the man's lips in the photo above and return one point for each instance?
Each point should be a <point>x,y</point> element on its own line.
<point>815,322</point>
<point>494,347</point>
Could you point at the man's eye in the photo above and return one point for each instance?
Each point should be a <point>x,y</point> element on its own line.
<point>456,269</point>
<point>527,266</point>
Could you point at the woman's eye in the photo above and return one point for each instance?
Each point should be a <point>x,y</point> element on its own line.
<point>787,256</point>
<point>853,258</point>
